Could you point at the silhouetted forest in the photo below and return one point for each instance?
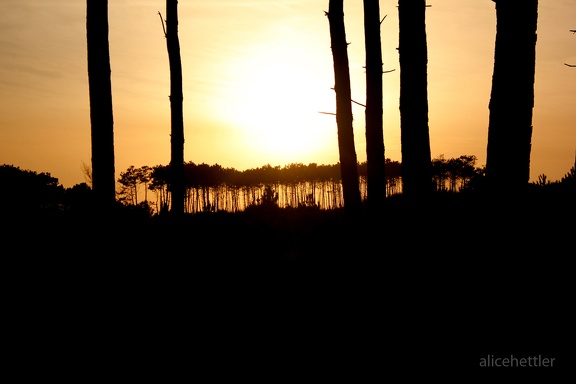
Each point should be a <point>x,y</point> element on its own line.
<point>295,200</point>
<point>268,267</point>
<point>464,270</point>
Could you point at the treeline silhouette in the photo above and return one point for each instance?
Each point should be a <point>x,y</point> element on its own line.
<point>213,188</point>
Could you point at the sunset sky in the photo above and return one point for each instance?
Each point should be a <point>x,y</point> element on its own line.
<point>256,75</point>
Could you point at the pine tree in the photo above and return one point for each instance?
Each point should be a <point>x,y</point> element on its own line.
<point>415,135</point>
<point>101,112</point>
<point>347,150</point>
<point>374,106</point>
<point>177,179</point>
<point>512,97</point>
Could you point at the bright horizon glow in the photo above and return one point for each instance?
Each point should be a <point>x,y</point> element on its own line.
<point>276,110</point>
<point>256,75</point>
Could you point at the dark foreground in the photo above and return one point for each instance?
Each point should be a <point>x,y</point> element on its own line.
<point>301,294</point>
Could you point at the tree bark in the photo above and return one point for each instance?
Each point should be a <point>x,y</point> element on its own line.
<point>414,131</point>
<point>347,150</point>
<point>177,179</point>
<point>374,106</point>
<point>512,97</point>
<point>101,114</point>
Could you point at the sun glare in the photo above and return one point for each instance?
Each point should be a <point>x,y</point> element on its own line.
<point>276,102</point>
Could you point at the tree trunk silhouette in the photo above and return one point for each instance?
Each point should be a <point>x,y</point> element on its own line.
<point>512,97</point>
<point>347,150</point>
<point>177,185</point>
<point>414,131</point>
<point>101,114</point>
<point>374,106</point>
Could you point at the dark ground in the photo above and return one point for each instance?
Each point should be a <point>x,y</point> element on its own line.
<point>303,294</point>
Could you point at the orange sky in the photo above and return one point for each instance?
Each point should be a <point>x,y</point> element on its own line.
<point>256,75</point>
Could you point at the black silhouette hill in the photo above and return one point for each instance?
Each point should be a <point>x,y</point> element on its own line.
<point>429,285</point>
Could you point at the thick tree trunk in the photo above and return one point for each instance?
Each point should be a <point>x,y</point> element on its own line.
<point>512,97</point>
<point>347,150</point>
<point>177,185</point>
<point>374,106</point>
<point>414,131</point>
<point>101,115</point>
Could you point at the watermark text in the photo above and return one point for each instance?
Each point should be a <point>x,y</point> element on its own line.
<point>513,361</point>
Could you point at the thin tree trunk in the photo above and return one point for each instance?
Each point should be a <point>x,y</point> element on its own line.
<point>347,150</point>
<point>101,113</point>
<point>374,106</point>
<point>512,98</point>
<point>177,179</point>
<point>414,131</point>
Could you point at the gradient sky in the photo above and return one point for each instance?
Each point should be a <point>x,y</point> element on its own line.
<point>256,75</point>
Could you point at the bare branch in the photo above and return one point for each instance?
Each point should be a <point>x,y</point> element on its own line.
<point>355,102</point>
<point>163,26</point>
<point>383,19</point>
<point>87,171</point>
<point>391,70</point>
<point>573,30</point>
<point>328,113</point>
